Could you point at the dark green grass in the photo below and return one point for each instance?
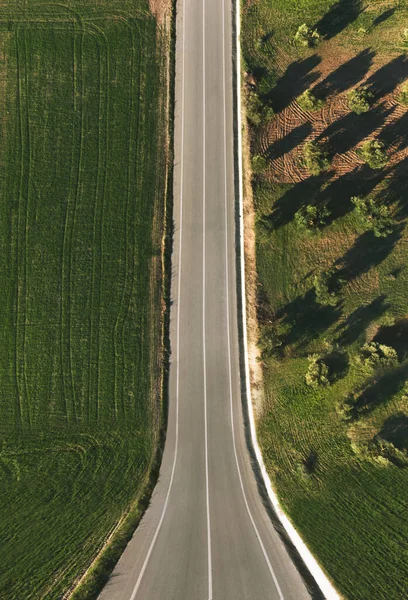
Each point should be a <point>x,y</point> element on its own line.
<point>82,206</point>
<point>348,504</point>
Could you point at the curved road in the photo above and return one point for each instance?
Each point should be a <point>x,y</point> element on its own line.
<point>206,533</point>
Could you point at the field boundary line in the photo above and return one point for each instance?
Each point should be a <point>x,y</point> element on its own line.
<point>309,560</point>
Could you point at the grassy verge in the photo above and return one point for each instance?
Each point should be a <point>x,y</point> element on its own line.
<point>335,443</point>
<point>85,151</point>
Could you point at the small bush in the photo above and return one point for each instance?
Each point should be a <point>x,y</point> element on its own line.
<point>307,101</point>
<point>317,373</point>
<point>312,217</point>
<point>373,153</point>
<point>259,164</point>
<point>270,341</point>
<point>315,158</point>
<point>306,36</point>
<point>360,99</point>
<point>376,216</point>
<point>254,108</point>
<point>327,287</point>
<point>402,96</point>
<point>375,355</point>
<point>257,111</point>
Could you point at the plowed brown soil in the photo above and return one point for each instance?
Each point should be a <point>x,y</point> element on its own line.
<point>331,76</point>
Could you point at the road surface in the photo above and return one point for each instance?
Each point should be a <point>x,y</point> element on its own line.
<point>206,534</point>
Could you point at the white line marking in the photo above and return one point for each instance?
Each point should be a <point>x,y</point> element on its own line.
<point>207,487</point>
<point>268,562</point>
<point>153,542</point>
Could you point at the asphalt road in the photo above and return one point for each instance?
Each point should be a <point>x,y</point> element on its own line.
<point>206,533</point>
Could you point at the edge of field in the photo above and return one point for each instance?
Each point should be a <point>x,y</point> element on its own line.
<point>315,578</point>
<point>90,583</point>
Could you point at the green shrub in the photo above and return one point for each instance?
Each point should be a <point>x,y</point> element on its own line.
<point>327,287</point>
<point>360,99</point>
<point>317,373</point>
<point>373,153</point>
<point>376,216</point>
<point>257,111</point>
<point>402,96</point>
<point>306,36</point>
<point>270,341</point>
<point>315,158</point>
<point>254,108</point>
<point>307,101</point>
<point>374,355</point>
<point>312,217</point>
<point>259,164</point>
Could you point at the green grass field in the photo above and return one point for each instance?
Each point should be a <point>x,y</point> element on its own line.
<point>347,498</point>
<point>82,189</point>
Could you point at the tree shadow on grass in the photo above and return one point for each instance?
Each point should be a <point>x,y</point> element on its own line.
<point>296,79</point>
<point>395,431</point>
<point>307,319</point>
<point>302,193</point>
<point>346,75</point>
<point>356,324</point>
<point>338,365</point>
<point>346,133</point>
<point>388,77</point>
<point>338,18</point>
<point>366,253</point>
<point>397,188</point>
<point>336,196</point>
<point>396,336</point>
<point>381,390</point>
<point>289,142</point>
<point>383,17</point>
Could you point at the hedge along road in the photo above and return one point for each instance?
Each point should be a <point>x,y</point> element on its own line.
<point>206,533</point>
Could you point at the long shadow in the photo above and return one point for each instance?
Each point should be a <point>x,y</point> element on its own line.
<point>337,195</point>
<point>395,430</point>
<point>289,142</point>
<point>346,75</point>
<point>306,319</point>
<point>381,390</point>
<point>388,77</point>
<point>296,79</point>
<point>383,17</point>
<point>291,201</point>
<point>396,133</point>
<point>397,188</point>
<point>367,252</point>
<point>396,336</point>
<point>338,17</point>
<point>350,130</point>
<point>356,324</point>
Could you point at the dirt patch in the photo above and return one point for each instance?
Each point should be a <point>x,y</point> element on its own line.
<point>331,75</point>
<point>255,368</point>
<point>161,9</point>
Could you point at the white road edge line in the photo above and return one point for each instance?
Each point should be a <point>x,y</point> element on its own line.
<point>258,535</point>
<point>153,542</point>
<point>314,568</point>
<point>207,487</point>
